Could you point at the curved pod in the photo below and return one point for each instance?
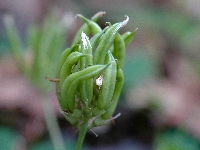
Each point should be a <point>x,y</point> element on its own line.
<point>109,78</point>
<point>70,85</point>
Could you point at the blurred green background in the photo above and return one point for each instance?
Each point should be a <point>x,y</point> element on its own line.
<point>160,103</point>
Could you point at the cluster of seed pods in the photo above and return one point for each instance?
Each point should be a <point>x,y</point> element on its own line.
<point>90,72</point>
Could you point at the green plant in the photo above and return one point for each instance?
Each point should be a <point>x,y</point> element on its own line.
<point>90,77</point>
<point>44,44</point>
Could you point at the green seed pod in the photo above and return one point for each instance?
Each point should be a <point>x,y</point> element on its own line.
<point>81,98</point>
<point>86,86</point>
<point>118,87</point>
<point>97,112</point>
<point>76,114</point>
<point>72,59</point>
<point>62,59</point>
<point>119,50</point>
<point>93,26</point>
<point>96,38</point>
<point>73,119</point>
<point>128,37</point>
<point>70,85</point>
<point>109,79</point>
<point>64,56</point>
<point>84,28</point>
<point>107,41</point>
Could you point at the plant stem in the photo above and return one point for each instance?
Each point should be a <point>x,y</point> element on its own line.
<point>52,124</point>
<point>82,134</point>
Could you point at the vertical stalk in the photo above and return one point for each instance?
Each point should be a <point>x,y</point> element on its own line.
<point>14,39</point>
<point>82,133</point>
<point>52,124</point>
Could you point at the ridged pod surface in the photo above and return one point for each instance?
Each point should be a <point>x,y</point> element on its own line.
<point>89,77</point>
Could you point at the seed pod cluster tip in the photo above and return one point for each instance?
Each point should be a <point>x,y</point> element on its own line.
<point>90,76</point>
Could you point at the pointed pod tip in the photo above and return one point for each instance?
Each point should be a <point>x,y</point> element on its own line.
<point>100,13</point>
<point>80,16</point>
<point>108,24</point>
<point>125,21</point>
<point>134,31</point>
<point>77,15</point>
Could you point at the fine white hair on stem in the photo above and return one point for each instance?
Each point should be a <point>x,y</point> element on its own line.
<point>119,114</point>
<point>94,133</point>
<point>113,118</point>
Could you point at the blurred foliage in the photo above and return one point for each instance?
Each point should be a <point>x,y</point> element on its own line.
<point>38,55</point>
<point>8,138</point>
<point>139,67</point>
<point>172,25</point>
<point>46,144</point>
<point>175,139</point>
